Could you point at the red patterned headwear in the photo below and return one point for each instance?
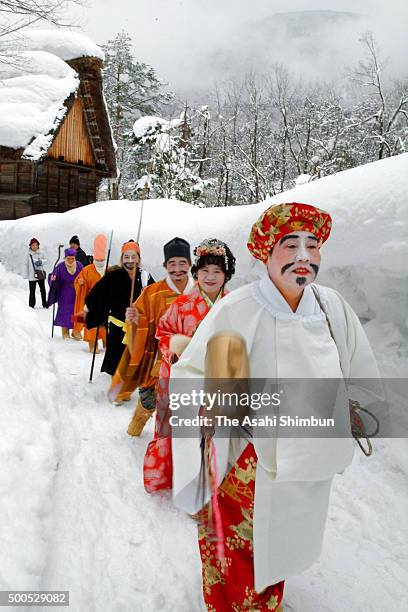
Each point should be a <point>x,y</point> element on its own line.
<point>281,219</point>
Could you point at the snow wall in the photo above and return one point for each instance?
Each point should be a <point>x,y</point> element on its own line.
<point>365,258</point>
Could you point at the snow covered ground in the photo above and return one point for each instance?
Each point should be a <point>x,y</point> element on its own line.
<point>73,512</point>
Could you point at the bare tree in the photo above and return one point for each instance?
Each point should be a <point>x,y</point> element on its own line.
<point>382,108</point>
<point>19,14</point>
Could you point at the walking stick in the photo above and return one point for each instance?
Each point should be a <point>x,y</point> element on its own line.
<point>97,329</point>
<point>130,330</point>
<point>137,240</point>
<point>60,246</point>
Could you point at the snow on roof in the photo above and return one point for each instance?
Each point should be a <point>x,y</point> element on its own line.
<point>64,44</point>
<point>32,95</point>
<point>149,123</point>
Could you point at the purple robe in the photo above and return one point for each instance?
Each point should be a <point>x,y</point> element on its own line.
<point>62,291</point>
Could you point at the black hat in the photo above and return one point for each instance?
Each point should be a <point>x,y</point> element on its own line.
<point>177,247</point>
<point>74,240</point>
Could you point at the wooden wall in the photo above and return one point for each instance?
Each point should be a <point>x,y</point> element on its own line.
<point>66,179</point>
<point>16,177</point>
<point>16,189</point>
<point>50,186</point>
<point>72,143</point>
<point>62,187</point>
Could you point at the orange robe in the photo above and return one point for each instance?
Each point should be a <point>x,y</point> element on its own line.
<point>90,276</point>
<point>140,363</point>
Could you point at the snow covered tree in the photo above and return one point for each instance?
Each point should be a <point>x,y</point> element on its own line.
<point>132,88</point>
<point>169,171</point>
<point>381,116</point>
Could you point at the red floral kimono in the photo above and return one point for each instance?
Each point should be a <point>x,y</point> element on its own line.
<point>183,317</point>
<point>228,585</point>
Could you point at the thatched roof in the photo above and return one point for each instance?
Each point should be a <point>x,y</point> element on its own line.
<point>38,90</point>
<point>90,91</point>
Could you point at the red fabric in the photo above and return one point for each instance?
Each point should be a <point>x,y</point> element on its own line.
<point>229,585</point>
<point>182,317</point>
<point>281,219</point>
<point>157,465</point>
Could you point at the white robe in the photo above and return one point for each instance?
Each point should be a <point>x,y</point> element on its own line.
<point>293,476</point>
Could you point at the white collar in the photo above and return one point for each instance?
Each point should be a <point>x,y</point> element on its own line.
<point>266,293</point>
<point>205,297</point>
<point>190,285</point>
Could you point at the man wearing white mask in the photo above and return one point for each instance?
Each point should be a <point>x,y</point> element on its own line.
<point>271,506</point>
<point>84,283</point>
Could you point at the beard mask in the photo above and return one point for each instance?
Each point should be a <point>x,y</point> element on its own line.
<point>294,262</point>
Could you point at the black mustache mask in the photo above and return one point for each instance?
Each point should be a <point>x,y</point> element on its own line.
<point>314,267</point>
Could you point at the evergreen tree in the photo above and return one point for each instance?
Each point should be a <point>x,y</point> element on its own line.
<point>169,171</point>
<point>132,88</point>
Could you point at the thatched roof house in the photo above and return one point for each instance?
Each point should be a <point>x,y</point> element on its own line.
<point>55,138</point>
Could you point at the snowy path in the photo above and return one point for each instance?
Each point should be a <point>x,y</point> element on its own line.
<point>113,546</point>
<point>116,549</point>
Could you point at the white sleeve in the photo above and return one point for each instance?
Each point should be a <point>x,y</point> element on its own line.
<point>186,451</point>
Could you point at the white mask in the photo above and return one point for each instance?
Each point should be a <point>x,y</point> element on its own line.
<point>100,266</point>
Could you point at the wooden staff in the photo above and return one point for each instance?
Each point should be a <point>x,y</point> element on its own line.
<point>60,246</point>
<point>131,327</point>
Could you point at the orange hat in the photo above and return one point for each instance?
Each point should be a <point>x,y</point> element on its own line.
<point>281,219</point>
<point>130,246</point>
<point>100,247</point>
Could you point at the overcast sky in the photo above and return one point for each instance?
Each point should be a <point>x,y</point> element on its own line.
<point>179,38</point>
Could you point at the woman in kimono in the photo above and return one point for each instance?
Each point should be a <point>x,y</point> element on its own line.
<point>62,292</point>
<point>213,268</point>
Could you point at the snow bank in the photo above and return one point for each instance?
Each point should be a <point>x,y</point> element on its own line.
<point>28,454</point>
<point>32,95</point>
<point>365,257</point>
<point>62,43</point>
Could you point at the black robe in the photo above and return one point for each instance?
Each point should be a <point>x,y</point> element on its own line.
<point>82,257</point>
<point>110,297</point>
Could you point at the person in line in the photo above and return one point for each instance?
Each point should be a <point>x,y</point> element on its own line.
<point>62,292</point>
<point>140,363</point>
<point>80,255</point>
<point>84,283</point>
<point>213,267</point>
<point>270,500</point>
<point>107,301</point>
<point>35,273</point>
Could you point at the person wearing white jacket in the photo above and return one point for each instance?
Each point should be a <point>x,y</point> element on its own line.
<point>273,489</point>
<point>35,273</point>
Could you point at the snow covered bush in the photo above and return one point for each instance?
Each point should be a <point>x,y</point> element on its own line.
<point>169,172</point>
